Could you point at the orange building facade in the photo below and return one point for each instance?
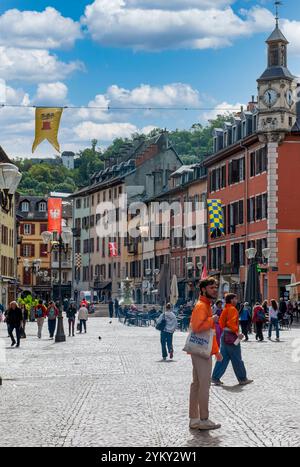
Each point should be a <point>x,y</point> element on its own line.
<point>254,171</point>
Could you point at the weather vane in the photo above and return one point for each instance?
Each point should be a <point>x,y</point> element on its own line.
<point>277,5</point>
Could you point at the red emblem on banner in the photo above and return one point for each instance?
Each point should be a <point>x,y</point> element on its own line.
<point>113,251</point>
<point>54,214</point>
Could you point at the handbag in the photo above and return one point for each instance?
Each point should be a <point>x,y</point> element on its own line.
<point>230,337</point>
<point>200,344</point>
<point>162,324</point>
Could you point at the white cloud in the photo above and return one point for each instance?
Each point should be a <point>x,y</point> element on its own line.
<point>177,4</point>
<point>34,65</point>
<point>174,94</point>
<point>222,109</point>
<point>135,24</point>
<point>38,30</point>
<point>104,131</point>
<point>51,94</point>
<point>291,29</point>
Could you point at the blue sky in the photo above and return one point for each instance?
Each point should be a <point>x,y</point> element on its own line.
<point>201,53</point>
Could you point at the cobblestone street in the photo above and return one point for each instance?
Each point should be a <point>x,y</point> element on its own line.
<point>117,392</point>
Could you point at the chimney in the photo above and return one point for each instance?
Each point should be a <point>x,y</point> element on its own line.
<point>251,105</point>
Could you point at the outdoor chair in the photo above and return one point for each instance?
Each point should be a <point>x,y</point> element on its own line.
<point>143,319</point>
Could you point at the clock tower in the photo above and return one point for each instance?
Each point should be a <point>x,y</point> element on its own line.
<point>276,91</point>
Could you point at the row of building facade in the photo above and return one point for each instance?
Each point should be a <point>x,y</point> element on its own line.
<point>253,170</point>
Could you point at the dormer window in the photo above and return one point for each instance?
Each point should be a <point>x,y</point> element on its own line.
<point>244,129</point>
<point>234,133</point>
<point>225,139</point>
<point>43,206</point>
<point>25,206</point>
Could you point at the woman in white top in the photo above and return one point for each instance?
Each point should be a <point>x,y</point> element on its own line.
<point>273,317</point>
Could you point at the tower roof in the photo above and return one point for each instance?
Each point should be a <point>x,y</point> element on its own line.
<point>277,36</point>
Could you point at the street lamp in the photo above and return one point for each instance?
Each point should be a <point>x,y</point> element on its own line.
<point>10,178</point>
<point>61,243</point>
<point>252,293</point>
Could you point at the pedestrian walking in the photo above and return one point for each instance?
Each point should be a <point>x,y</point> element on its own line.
<point>40,313</point>
<point>71,315</point>
<point>230,344</point>
<point>166,334</point>
<point>245,318</point>
<point>282,309</point>
<point>14,319</point>
<point>259,318</point>
<point>274,319</point>
<point>25,315</point>
<point>52,314</point>
<point>83,317</point>
<point>116,308</point>
<point>203,320</point>
<point>111,308</point>
<point>217,310</point>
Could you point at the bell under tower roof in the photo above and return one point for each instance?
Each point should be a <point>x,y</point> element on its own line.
<point>277,54</point>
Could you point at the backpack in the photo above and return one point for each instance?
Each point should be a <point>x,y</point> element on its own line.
<point>39,312</point>
<point>162,324</point>
<point>261,315</point>
<point>51,313</point>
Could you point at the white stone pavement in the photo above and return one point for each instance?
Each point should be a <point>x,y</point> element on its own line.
<point>117,392</point>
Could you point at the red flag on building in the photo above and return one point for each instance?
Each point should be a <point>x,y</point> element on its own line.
<point>54,215</point>
<point>113,250</point>
<point>204,274</point>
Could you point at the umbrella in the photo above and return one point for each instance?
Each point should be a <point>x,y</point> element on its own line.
<point>253,294</point>
<point>174,294</point>
<point>293,289</point>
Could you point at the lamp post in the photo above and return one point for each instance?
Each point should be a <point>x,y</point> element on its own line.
<point>35,268</point>
<point>252,293</point>
<point>61,243</point>
<point>10,178</point>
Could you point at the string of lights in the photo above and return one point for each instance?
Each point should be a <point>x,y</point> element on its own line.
<point>112,108</point>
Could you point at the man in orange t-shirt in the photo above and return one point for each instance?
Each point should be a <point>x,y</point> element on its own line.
<point>203,320</point>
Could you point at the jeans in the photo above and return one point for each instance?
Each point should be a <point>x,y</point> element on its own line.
<point>259,331</point>
<point>166,340</point>
<point>274,322</point>
<point>82,322</point>
<point>245,328</point>
<point>40,323</point>
<point>233,354</point>
<point>51,327</point>
<point>71,326</point>
<point>18,334</point>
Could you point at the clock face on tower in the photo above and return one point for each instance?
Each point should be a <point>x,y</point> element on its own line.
<point>270,97</point>
<point>289,98</point>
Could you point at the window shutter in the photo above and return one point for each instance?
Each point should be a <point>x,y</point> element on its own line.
<point>241,212</point>
<point>22,229</point>
<point>32,250</point>
<point>298,250</point>
<point>32,229</point>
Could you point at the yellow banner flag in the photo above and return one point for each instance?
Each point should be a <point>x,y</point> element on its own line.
<point>47,121</point>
